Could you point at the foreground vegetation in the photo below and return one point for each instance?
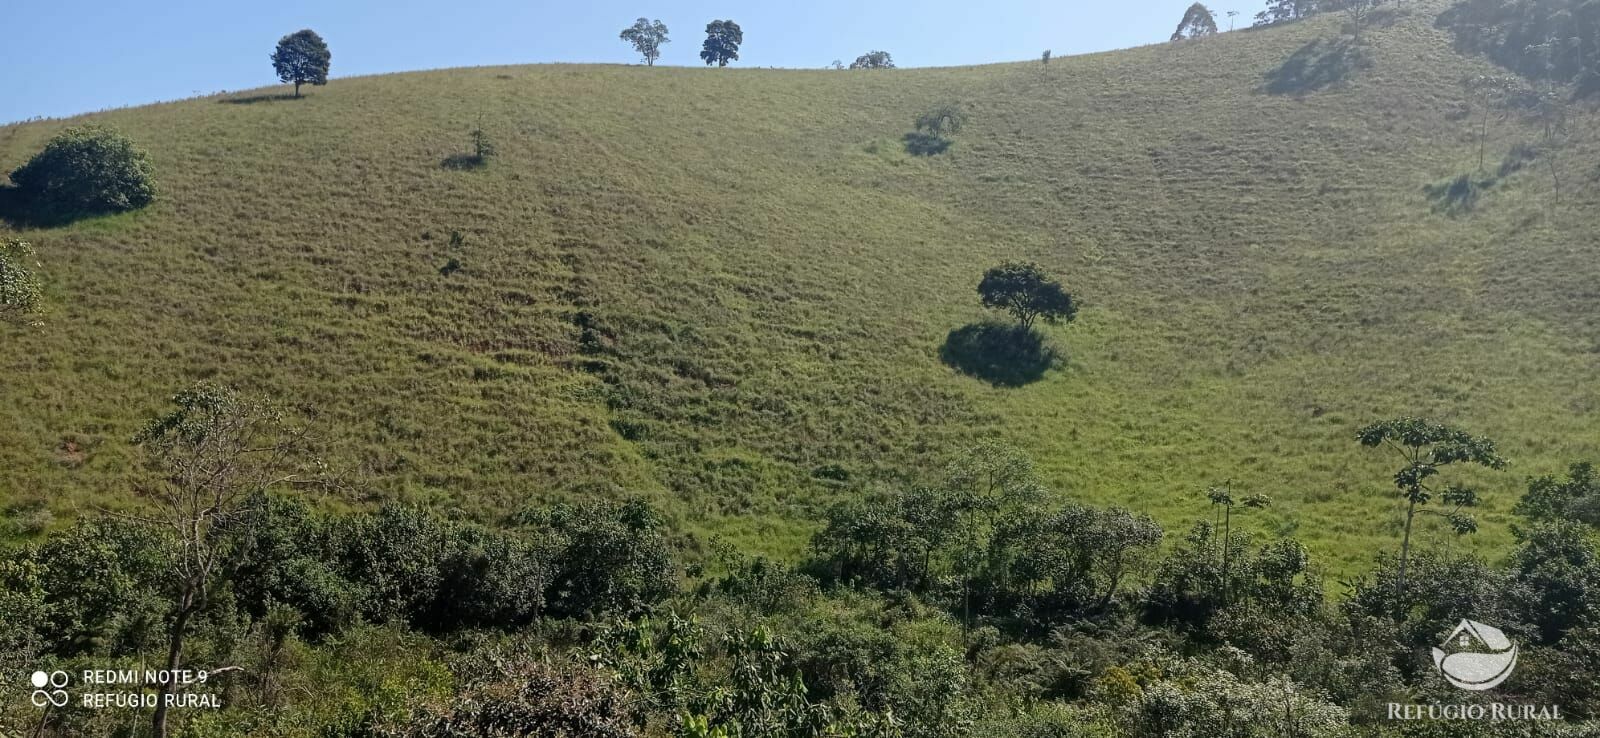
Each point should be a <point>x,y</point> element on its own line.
<point>738,309</point>
<point>977,606</point>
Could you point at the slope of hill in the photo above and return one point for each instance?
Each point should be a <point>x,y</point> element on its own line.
<point>728,288</point>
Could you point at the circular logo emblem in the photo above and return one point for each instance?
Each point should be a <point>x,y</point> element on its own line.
<point>1480,656</point>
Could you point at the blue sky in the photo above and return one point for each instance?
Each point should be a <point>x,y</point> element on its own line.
<point>62,57</point>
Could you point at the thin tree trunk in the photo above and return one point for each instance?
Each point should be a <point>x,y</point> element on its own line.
<point>1405,558</point>
<point>180,624</point>
<point>1483,133</point>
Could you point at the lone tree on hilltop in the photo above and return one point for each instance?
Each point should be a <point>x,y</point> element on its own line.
<point>1425,447</point>
<point>873,60</point>
<point>1027,293</point>
<point>302,58</point>
<point>1197,21</point>
<point>647,36</point>
<point>722,43</point>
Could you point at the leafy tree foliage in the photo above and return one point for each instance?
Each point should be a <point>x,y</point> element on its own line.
<point>1197,22</point>
<point>722,43</point>
<point>302,58</point>
<point>1554,40</point>
<point>87,170</point>
<point>1026,292</point>
<point>215,452</point>
<point>1283,11</point>
<point>20,293</point>
<point>1425,448</point>
<point>873,60</point>
<point>612,559</point>
<point>1557,572</point>
<point>942,119</point>
<point>1194,589</point>
<point>1575,498</point>
<point>647,36</point>
<point>1076,559</point>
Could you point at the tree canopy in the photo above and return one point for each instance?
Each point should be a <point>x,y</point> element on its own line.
<point>20,294</point>
<point>873,60</point>
<point>941,119</point>
<point>1197,21</point>
<point>302,58</point>
<point>87,169</point>
<point>1027,293</point>
<point>722,43</point>
<point>647,36</point>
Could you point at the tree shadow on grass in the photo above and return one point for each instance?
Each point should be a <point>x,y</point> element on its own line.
<point>253,99</point>
<point>19,212</point>
<point>1316,65</point>
<point>462,162</point>
<point>1458,196</point>
<point>924,144</point>
<point>1003,355</point>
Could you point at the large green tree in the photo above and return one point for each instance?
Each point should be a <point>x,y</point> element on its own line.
<point>302,58</point>
<point>873,60</point>
<point>647,36</point>
<point>86,170</point>
<point>722,43</point>
<point>1425,448</point>
<point>1197,21</point>
<point>1026,292</point>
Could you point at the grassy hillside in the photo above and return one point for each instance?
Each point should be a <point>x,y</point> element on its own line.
<point>722,287</point>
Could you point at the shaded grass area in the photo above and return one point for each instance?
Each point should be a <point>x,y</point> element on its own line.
<point>740,307</point>
<point>1001,354</point>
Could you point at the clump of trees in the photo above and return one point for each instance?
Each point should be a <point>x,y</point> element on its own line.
<point>21,296</point>
<point>873,60</point>
<point>1198,21</point>
<point>86,170</point>
<point>975,602</point>
<point>302,58</point>
<point>647,37</point>
<point>1283,11</point>
<point>1550,40</point>
<point>721,46</point>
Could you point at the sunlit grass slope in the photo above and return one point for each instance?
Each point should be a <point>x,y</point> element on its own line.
<point>727,288</point>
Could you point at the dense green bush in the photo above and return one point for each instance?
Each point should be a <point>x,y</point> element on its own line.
<point>87,170</point>
<point>610,558</point>
<point>20,292</point>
